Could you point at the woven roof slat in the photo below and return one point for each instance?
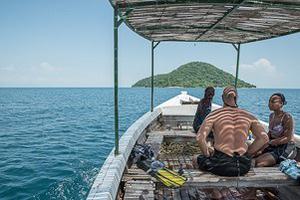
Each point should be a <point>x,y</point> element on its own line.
<point>142,3</point>
<point>233,21</point>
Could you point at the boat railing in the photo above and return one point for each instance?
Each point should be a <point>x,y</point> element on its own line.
<point>107,181</point>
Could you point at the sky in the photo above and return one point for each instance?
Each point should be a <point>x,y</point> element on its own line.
<point>69,43</point>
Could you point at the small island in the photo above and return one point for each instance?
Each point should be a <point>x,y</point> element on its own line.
<point>194,74</point>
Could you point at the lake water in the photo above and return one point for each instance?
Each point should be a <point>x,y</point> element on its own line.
<point>53,141</point>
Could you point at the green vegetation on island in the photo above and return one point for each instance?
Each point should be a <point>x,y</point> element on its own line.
<point>193,74</point>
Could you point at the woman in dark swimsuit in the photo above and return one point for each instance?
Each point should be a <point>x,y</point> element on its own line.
<point>281,134</point>
<point>204,108</point>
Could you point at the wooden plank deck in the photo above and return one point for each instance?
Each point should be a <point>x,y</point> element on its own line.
<point>136,180</point>
<point>196,193</point>
<point>138,184</point>
<point>139,190</point>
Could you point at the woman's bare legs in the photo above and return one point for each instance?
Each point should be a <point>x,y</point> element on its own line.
<point>265,160</point>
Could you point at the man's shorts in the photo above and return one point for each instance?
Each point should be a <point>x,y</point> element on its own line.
<point>224,165</point>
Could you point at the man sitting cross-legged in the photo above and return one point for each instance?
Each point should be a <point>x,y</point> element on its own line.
<point>230,155</point>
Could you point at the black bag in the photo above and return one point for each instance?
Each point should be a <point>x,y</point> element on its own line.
<point>141,152</point>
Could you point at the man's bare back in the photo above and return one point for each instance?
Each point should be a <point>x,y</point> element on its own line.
<point>231,128</point>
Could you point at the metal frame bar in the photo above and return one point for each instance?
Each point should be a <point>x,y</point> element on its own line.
<point>237,48</point>
<point>152,75</point>
<point>117,23</point>
<point>123,17</point>
<point>230,42</point>
<point>156,45</point>
<point>214,41</point>
<point>153,46</point>
<point>116,26</point>
<point>126,21</point>
<point>178,28</point>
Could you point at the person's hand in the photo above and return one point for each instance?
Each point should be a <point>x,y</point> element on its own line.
<point>257,154</point>
<point>211,150</point>
<point>272,143</point>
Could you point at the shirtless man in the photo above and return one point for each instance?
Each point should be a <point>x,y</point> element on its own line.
<point>230,155</point>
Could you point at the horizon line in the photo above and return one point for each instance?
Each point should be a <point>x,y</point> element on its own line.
<point>126,87</point>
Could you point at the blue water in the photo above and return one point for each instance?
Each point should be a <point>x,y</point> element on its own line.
<point>53,141</point>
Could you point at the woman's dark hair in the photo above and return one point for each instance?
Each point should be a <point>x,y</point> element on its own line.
<point>209,88</point>
<point>282,97</point>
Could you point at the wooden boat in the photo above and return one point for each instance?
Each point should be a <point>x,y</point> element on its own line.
<point>170,123</point>
<point>227,21</point>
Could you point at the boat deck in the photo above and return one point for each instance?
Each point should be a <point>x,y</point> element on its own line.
<point>175,149</point>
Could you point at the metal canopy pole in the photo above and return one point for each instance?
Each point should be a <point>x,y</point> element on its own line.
<point>117,23</point>
<point>237,64</point>
<point>116,26</point>
<point>152,73</point>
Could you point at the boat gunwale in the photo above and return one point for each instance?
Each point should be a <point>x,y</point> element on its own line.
<point>107,181</point>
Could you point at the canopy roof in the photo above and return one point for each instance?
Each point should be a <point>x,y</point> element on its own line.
<point>229,21</point>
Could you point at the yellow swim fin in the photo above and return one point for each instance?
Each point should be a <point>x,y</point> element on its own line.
<point>166,176</point>
<point>170,178</point>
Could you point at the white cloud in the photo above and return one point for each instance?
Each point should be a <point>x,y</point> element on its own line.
<point>261,73</point>
<point>262,64</point>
